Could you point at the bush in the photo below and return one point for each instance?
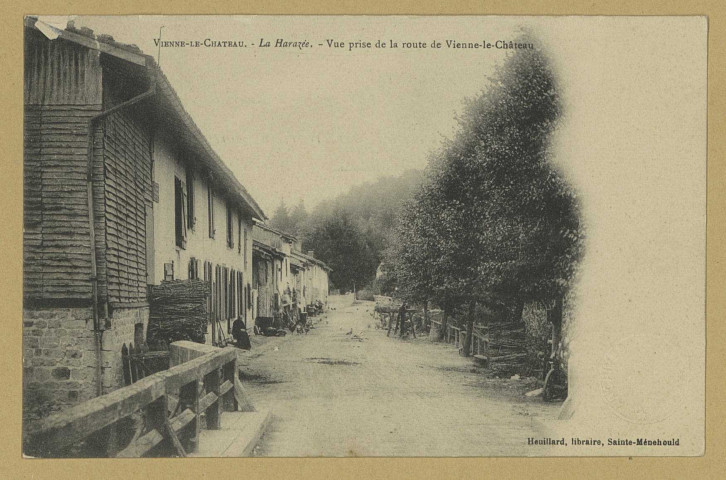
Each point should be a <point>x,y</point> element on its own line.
<point>364,294</point>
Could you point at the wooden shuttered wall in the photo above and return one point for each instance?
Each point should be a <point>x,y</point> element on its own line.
<point>62,91</point>
<point>128,190</point>
<point>65,85</point>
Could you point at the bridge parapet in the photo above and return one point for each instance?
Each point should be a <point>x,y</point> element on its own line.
<point>160,415</point>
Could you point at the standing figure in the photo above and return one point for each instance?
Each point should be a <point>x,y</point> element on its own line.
<point>402,318</point>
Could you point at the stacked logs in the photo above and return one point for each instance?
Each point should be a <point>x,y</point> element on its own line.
<point>178,311</point>
<point>507,348</point>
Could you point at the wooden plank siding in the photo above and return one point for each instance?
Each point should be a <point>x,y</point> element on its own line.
<point>62,91</point>
<point>127,156</point>
<point>60,72</point>
<point>65,86</point>
<point>57,262</point>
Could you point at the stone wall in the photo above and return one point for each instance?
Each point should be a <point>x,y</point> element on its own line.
<point>58,359</point>
<point>123,328</point>
<point>59,355</point>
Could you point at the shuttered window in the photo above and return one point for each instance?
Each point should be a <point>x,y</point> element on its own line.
<point>232,290</point>
<point>190,199</point>
<point>194,269</point>
<point>230,227</point>
<point>239,234</point>
<point>208,278</point>
<point>245,249</point>
<point>180,216</point>
<point>240,297</point>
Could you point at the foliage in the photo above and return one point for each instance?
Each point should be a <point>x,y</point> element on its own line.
<point>340,243</point>
<point>495,222</point>
<point>368,214</point>
<point>290,221</point>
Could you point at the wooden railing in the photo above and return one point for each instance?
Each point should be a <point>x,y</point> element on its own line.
<point>160,415</point>
<point>479,341</point>
<point>456,336</point>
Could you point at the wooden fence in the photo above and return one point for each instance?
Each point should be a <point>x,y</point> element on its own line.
<point>457,336</point>
<point>160,415</point>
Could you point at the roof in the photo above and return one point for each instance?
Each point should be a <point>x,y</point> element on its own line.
<point>288,236</point>
<point>309,259</point>
<point>263,250</point>
<point>169,101</point>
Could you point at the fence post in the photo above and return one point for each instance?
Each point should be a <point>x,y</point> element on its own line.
<point>189,398</point>
<point>199,384</point>
<point>230,374</point>
<point>214,412</point>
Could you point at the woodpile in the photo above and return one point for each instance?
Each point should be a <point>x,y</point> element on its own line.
<point>507,348</point>
<point>178,311</point>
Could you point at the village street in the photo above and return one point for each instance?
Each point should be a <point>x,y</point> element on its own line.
<point>333,395</point>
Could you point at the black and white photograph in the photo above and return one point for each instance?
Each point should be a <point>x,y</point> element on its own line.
<point>364,236</point>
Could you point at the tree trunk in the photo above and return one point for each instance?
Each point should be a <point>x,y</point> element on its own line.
<point>402,322</point>
<point>555,318</point>
<point>518,311</point>
<point>444,324</point>
<point>469,329</point>
<point>426,315</point>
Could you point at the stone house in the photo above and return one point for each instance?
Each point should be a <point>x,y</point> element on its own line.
<point>121,191</point>
<point>279,264</point>
<point>316,279</point>
<point>266,254</point>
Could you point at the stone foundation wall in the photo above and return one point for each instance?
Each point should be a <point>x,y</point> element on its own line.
<point>59,355</point>
<point>123,327</point>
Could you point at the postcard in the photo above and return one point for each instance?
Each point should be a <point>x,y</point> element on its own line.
<point>369,236</point>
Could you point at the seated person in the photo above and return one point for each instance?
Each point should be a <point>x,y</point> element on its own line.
<point>240,335</point>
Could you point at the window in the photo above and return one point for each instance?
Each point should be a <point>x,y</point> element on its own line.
<point>230,228</point>
<point>224,300</point>
<point>210,207</point>
<point>193,269</point>
<point>180,217</point>
<point>239,234</point>
<point>169,271</point>
<point>215,293</point>
<point>245,247</point>
<point>240,295</point>
<point>208,278</point>
<point>232,291</point>
<point>190,199</point>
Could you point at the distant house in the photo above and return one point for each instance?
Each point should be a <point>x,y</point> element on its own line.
<point>271,248</point>
<point>316,277</point>
<point>266,255</point>
<point>121,191</point>
<point>278,264</point>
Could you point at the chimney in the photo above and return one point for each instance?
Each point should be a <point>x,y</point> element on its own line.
<point>311,253</point>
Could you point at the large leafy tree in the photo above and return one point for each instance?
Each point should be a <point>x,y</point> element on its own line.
<point>371,210</point>
<point>503,224</point>
<point>339,242</point>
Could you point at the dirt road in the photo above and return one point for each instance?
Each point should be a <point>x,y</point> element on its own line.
<point>334,395</point>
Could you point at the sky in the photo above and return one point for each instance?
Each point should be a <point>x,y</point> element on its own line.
<point>307,124</point>
<point>310,124</point>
